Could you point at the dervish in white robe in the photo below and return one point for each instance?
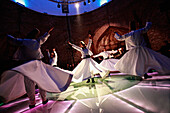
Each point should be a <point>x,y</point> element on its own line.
<point>107,62</point>
<point>53,61</point>
<point>87,68</point>
<point>47,78</point>
<point>139,59</point>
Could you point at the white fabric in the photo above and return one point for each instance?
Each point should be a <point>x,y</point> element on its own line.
<point>134,38</point>
<point>85,51</point>
<point>11,86</point>
<point>87,68</point>
<point>53,61</point>
<point>105,54</point>
<point>139,59</point>
<point>29,49</point>
<point>45,76</point>
<point>109,64</point>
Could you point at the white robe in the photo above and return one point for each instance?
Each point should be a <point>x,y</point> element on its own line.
<point>107,62</point>
<point>45,76</point>
<point>53,61</point>
<point>139,59</point>
<point>29,49</point>
<point>87,68</point>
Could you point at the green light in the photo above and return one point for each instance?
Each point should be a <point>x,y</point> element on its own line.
<point>1,104</point>
<point>101,87</point>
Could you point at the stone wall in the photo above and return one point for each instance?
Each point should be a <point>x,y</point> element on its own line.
<point>18,21</point>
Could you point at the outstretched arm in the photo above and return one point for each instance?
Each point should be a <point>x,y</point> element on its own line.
<point>43,38</point>
<point>74,46</point>
<point>55,53</point>
<point>112,52</point>
<point>146,28</point>
<point>121,37</point>
<point>90,42</point>
<point>15,41</point>
<point>100,54</point>
<point>50,30</point>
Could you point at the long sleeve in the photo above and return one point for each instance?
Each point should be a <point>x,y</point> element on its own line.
<point>89,44</point>
<point>142,30</point>
<point>112,52</point>
<point>15,41</point>
<point>100,54</point>
<point>56,56</point>
<point>76,47</point>
<point>122,37</point>
<point>146,28</point>
<point>43,38</point>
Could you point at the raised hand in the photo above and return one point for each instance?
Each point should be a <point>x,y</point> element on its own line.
<point>50,30</point>
<point>69,43</point>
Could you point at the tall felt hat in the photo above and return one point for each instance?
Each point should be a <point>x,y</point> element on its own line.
<point>82,42</point>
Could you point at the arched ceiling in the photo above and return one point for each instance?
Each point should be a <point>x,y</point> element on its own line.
<point>49,7</point>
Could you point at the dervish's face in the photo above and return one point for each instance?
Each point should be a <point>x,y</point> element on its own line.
<point>82,45</point>
<point>52,55</point>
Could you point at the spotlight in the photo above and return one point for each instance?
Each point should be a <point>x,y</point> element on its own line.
<point>58,5</point>
<point>84,3</point>
<point>21,4</point>
<point>88,1</point>
<point>77,5</point>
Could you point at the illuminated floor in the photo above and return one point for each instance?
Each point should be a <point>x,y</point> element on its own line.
<point>118,93</point>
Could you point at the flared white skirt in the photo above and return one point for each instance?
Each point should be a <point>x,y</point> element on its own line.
<point>139,60</point>
<point>109,64</point>
<point>87,68</point>
<point>45,76</point>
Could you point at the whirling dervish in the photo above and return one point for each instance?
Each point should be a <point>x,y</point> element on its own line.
<point>19,80</point>
<point>87,68</point>
<point>52,57</point>
<point>139,59</point>
<point>107,62</point>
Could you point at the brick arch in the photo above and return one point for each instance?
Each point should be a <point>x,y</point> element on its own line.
<point>104,38</point>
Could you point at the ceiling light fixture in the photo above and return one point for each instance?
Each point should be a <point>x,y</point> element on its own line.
<point>77,5</point>
<point>58,5</point>
<point>89,2</point>
<point>84,3</point>
<point>66,2</point>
